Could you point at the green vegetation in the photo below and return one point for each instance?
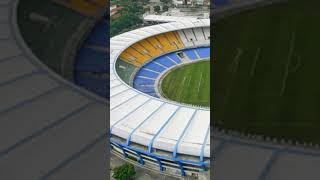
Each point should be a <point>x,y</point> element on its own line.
<point>266,71</point>
<point>130,17</point>
<point>167,2</point>
<point>165,8</point>
<point>133,6</point>
<point>124,23</point>
<point>188,84</point>
<point>124,172</point>
<point>156,9</point>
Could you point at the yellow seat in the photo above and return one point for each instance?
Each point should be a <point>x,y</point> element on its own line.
<point>129,58</point>
<point>155,43</point>
<point>164,42</point>
<point>140,58</point>
<point>152,50</point>
<point>178,38</point>
<point>143,51</point>
<point>174,40</point>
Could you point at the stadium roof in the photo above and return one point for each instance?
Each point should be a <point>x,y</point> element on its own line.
<point>172,126</point>
<point>161,18</point>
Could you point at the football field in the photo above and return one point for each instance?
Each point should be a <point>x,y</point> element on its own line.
<point>266,71</point>
<point>188,84</point>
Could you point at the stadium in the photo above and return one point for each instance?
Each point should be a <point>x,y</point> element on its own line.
<point>167,135</point>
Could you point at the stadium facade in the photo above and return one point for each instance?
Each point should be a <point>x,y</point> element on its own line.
<point>155,132</point>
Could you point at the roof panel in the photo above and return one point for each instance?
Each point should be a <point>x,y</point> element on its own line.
<point>117,89</point>
<point>178,123</point>
<point>121,97</point>
<point>127,108</point>
<point>158,119</point>
<point>142,114</point>
<point>197,131</point>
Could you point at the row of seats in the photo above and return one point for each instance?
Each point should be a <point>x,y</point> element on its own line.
<point>141,52</point>
<point>203,52</point>
<point>98,36</point>
<point>195,36</point>
<point>144,50</point>
<point>191,54</point>
<point>145,78</point>
<point>195,53</point>
<point>90,65</point>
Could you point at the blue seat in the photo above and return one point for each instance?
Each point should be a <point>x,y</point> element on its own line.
<point>155,67</point>
<point>191,54</point>
<point>93,61</point>
<point>174,57</point>
<point>204,52</point>
<point>143,81</point>
<point>144,89</point>
<point>90,60</point>
<point>147,73</point>
<point>99,34</point>
<point>147,89</point>
<point>165,61</point>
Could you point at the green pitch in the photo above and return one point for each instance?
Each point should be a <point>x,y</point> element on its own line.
<point>267,71</point>
<point>188,84</point>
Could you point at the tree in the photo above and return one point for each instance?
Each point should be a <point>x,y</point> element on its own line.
<point>124,172</point>
<point>156,9</point>
<point>124,22</point>
<point>166,1</point>
<point>165,8</point>
<point>132,7</point>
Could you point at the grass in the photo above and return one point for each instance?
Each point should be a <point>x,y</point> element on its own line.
<point>266,71</point>
<point>189,84</point>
